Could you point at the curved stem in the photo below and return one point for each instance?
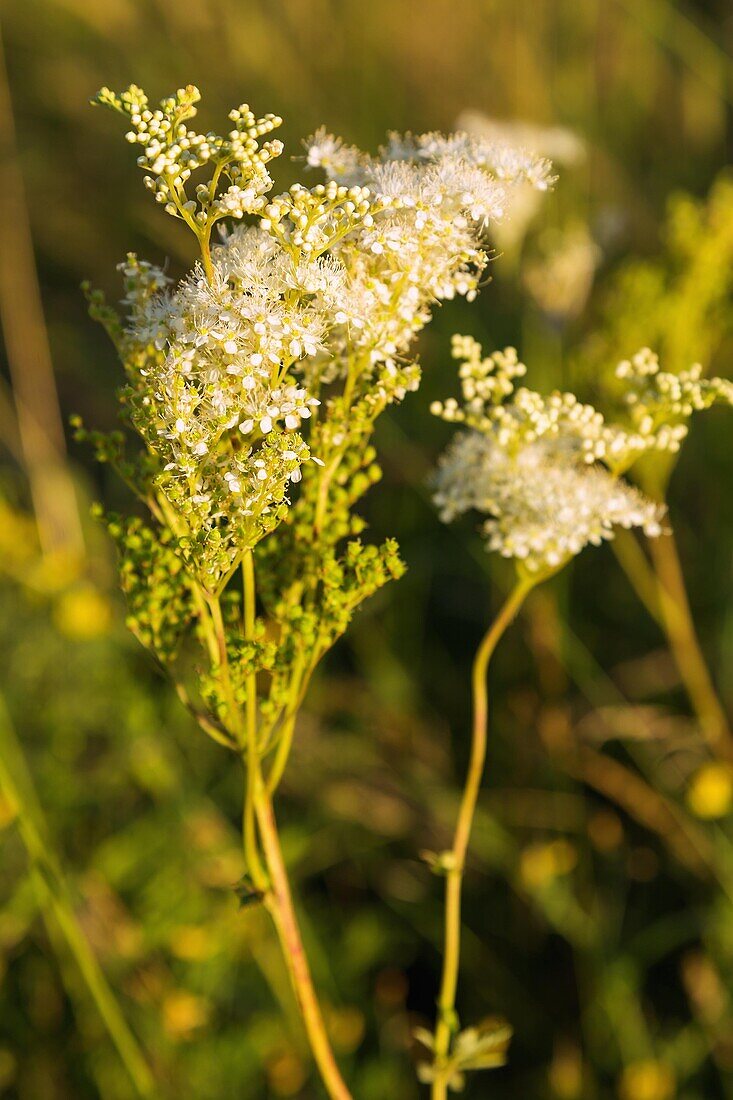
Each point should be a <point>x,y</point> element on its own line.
<point>279,903</point>
<point>639,572</point>
<point>277,895</point>
<point>325,476</point>
<point>221,657</point>
<point>456,857</point>
<point>210,728</point>
<point>127,1046</point>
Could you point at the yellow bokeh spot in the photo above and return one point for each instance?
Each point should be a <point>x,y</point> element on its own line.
<point>286,1073</point>
<point>191,942</point>
<point>566,1072</point>
<point>8,1067</point>
<point>8,811</point>
<point>710,793</point>
<point>222,869</point>
<point>346,1027</point>
<point>541,863</point>
<point>647,1080</point>
<point>183,1013</point>
<point>82,612</point>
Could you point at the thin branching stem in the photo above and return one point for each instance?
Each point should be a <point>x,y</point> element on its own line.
<point>455,858</point>
<point>249,827</point>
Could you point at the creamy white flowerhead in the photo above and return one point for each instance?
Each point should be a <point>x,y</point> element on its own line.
<point>546,470</point>
<point>544,505</point>
<point>306,316</point>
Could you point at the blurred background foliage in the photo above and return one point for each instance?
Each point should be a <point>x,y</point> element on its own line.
<point>599,911</point>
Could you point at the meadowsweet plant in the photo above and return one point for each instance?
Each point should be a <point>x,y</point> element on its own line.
<point>545,472</point>
<point>253,386</point>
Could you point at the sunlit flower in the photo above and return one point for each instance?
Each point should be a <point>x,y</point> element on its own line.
<point>562,146</point>
<point>227,368</point>
<point>544,505</point>
<point>544,470</point>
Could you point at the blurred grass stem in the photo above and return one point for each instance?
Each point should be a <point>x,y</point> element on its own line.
<point>660,585</point>
<point>679,626</point>
<point>29,358</point>
<point>16,786</point>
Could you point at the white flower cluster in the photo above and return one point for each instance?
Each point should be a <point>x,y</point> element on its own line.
<point>332,284</point>
<point>660,402</point>
<point>659,405</point>
<point>233,502</point>
<point>211,367</point>
<point>533,465</point>
<point>434,196</point>
<point>221,352</point>
<point>499,159</point>
<point>172,151</point>
<point>544,506</point>
<point>562,146</point>
<point>310,222</point>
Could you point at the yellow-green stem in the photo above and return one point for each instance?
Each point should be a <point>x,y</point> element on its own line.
<point>327,473</point>
<point>204,238</point>
<point>279,903</point>
<point>639,572</point>
<point>456,857</point>
<point>249,830</point>
<point>680,629</point>
<point>325,476</point>
<point>217,621</point>
<point>298,688</point>
<point>282,753</point>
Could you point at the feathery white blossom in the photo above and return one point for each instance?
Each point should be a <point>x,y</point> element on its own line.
<point>562,146</point>
<point>226,369</point>
<point>434,197</point>
<point>544,469</point>
<point>544,506</point>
